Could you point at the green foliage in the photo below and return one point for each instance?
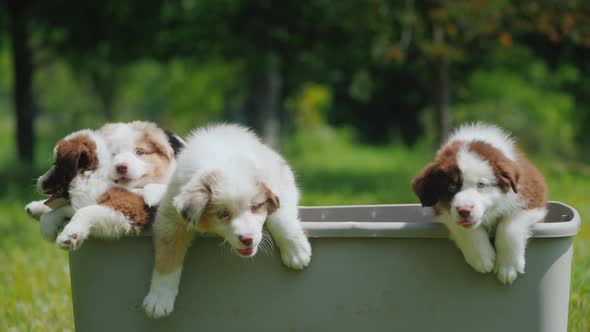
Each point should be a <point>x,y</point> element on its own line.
<point>310,105</point>
<point>521,103</point>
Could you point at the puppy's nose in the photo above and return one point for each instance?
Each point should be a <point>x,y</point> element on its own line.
<point>121,169</point>
<point>246,239</point>
<point>464,211</point>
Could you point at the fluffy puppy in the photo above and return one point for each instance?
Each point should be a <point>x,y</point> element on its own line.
<point>79,181</point>
<point>142,153</point>
<point>228,183</point>
<point>480,182</point>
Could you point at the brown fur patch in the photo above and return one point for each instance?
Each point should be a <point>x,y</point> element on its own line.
<point>520,176</point>
<point>131,205</point>
<point>272,202</point>
<point>158,152</point>
<point>171,248</point>
<point>72,156</point>
<point>505,170</point>
<point>432,184</point>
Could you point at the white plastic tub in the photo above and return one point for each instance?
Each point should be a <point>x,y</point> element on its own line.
<point>374,268</point>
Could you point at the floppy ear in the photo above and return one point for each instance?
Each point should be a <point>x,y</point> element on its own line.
<point>507,174</point>
<point>426,185</point>
<point>87,159</point>
<point>272,201</point>
<point>160,143</point>
<point>175,141</point>
<point>194,197</point>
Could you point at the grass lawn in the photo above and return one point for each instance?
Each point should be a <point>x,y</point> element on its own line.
<point>34,280</point>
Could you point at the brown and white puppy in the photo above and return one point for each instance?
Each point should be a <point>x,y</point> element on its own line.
<point>142,153</point>
<point>479,182</point>
<point>79,181</point>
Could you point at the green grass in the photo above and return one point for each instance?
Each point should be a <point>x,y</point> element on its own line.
<point>34,279</point>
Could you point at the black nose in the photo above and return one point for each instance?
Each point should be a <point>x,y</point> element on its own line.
<point>121,169</point>
<point>246,239</point>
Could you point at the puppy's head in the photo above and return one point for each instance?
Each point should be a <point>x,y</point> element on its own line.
<point>74,154</point>
<point>470,182</point>
<point>232,206</point>
<point>142,153</point>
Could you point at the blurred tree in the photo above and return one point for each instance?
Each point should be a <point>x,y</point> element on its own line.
<point>23,78</point>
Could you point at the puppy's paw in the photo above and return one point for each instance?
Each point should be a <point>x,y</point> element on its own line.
<point>507,272</point>
<point>36,209</point>
<point>153,193</point>
<point>483,261</point>
<point>71,238</point>
<point>296,254</point>
<point>158,304</point>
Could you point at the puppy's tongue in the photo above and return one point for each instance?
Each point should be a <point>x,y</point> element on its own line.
<point>245,252</point>
<point>465,222</point>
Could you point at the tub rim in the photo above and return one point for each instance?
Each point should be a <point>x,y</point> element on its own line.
<point>401,229</point>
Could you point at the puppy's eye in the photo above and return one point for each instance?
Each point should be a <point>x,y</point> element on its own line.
<point>139,152</point>
<point>452,187</point>
<point>481,185</point>
<point>223,214</point>
<point>256,207</point>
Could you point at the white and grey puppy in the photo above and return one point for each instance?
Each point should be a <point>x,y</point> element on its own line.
<point>227,182</point>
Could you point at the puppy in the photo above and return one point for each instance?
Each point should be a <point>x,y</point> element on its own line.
<point>478,182</point>
<point>228,183</point>
<point>142,153</point>
<point>80,181</point>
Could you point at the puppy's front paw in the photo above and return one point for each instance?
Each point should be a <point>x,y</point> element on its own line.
<point>36,209</point>
<point>158,304</point>
<point>483,261</point>
<point>507,272</point>
<point>153,193</point>
<point>71,238</point>
<point>296,254</point>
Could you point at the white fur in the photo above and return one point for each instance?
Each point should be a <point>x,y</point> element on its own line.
<point>37,208</point>
<point>490,207</point>
<point>511,237</point>
<point>96,220</point>
<point>163,290</point>
<point>242,163</point>
<point>488,133</point>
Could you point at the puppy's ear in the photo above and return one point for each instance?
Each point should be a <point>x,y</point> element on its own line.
<point>272,201</point>
<point>176,142</point>
<point>426,185</point>
<point>507,175</point>
<point>194,197</point>
<point>87,159</point>
<point>160,144</point>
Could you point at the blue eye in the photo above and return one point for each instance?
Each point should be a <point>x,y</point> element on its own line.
<point>452,187</point>
<point>481,185</point>
<point>139,152</point>
<point>223,214</point>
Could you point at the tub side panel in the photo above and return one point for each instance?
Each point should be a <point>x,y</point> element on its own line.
<point>353,284</point>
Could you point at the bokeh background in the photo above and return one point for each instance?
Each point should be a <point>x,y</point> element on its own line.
<point>356,94</point>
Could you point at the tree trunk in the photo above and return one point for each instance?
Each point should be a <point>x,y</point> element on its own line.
<point>442,93</point>
<point>23,79</point>
<point>264,101</point>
